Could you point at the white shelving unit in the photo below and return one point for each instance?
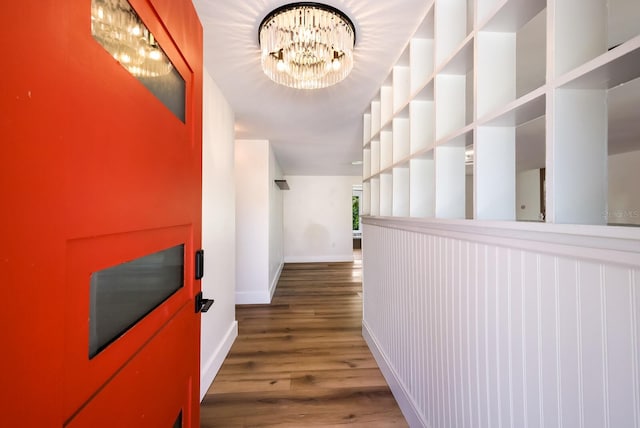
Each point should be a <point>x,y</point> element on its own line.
<point>489,96</point>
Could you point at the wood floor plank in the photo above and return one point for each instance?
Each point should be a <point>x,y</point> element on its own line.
<point>301,361</point>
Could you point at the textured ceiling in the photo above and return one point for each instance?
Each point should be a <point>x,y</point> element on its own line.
<point>316,132</point>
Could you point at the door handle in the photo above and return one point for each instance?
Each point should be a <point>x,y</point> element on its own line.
<point>199,264</point>
<point>202,304</point>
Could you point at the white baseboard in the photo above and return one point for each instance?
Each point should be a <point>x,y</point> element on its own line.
<point>253,297</point>
<point>274,283</point>
<point>403,398</point>
<point>319,259</point>
<point>261,297</point>
<point>210,369</point>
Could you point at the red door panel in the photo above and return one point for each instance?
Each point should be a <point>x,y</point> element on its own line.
<point>94,171</point>
<point>82,375</point>
<point>169,374</point>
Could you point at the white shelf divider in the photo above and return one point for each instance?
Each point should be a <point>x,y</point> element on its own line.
<point>450,27</point>
<point>386,194</point>
<point>495,173</point>
<point>450,104</point>
<point>580,32</point>
<point>366,198</point>
<point>400,139</point>
<point>366,163</point>
<point>386,104</point>
<point>510,15</point>
<point>375,196</point>
<point>366,127</point>
<point>386,149</point>
<point>375,156</point>
<point>401,87</point>
<point>422,125</point>
<point>375,117</point>
<point>401,191</point>
<point>450,180</point>
<point>579,154</point>
<point>422,186</point>
<point>496,70</point>
<point>422,66</point>
<point>526,85</point>
<point>531,51</point>
<point>488,8</point>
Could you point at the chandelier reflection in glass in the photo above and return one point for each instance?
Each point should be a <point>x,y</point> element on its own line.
<point>307,45</point>
<point>117,27</point>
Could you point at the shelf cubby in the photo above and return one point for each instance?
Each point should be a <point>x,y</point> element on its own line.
<point>510,110</point>
<point>623,154</point>
<point>386,149</point>
<point>375,157</point>
<point>487,8</point>
<point>422,125</point>
<point>453,23</point>
<point>386,104</point>
<point>401,191</point>
<point>623,202</point>
<point>401,81</point>
<point>586,29</point>
<point>422,53</point>
<point>375,117</point>
<point>401,139</point>
<point>530,170</point>
<point>375,196</point>
<point>451,104</point>
<point>366,163</point>
<point>366,198</point>
<point>422,186</point>
<point>611,69</point>
<point>386,194</point>
<point>450,181</point>
<point>494,164</point>
<point>469,188</point>
<point>509,15</point>
<point>623,105</point>
<point>579,144</point>
<point>511,60</point>
<point>454,92</point>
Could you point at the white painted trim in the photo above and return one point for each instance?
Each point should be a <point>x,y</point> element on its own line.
<point>618,245</point>
<point>403,397</point>
<point>274,283</point>
<point>319,259</point>
<point>252,297</point>
<point>214,363</point>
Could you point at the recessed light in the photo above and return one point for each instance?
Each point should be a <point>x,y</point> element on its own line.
<point>356,162</point>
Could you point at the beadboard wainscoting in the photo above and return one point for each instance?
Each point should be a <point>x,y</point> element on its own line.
<point>504,324</point>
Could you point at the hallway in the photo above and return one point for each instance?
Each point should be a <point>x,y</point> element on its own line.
<point>301,361</point>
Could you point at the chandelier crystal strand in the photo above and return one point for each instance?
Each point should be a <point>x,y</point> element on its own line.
<point>118,28</point>
<point>307,45</point>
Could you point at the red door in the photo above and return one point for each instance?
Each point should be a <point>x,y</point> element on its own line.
<point>98,173</point>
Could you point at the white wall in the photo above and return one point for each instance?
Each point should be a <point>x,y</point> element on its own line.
<point>258,222</point>
<point>317,218</point>
<point>276,229</point>
<point>624,195</point>
<point>489,324</point>
<point>219,328</point>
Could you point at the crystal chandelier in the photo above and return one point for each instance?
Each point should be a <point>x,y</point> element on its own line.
<point>307,45</point>
<point>119,29</point>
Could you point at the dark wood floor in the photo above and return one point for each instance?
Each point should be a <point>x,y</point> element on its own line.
<point>301,361</point>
